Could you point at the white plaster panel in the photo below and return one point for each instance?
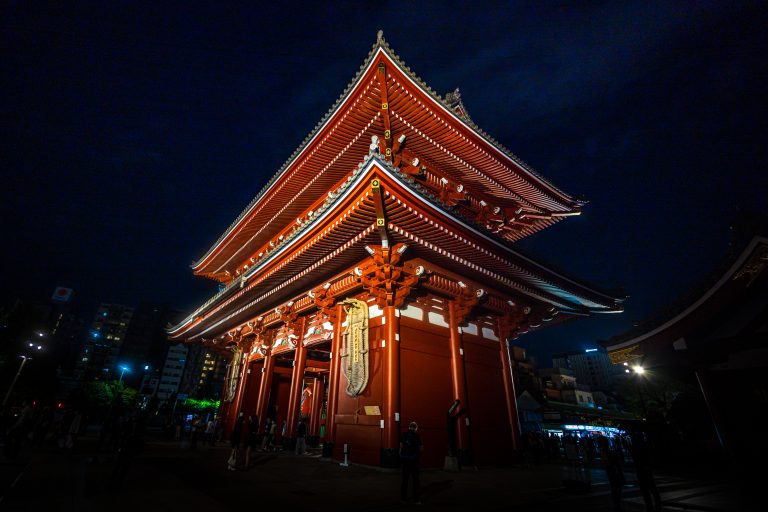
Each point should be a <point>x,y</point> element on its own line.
<point>412,311</point>
<point>436,319</point>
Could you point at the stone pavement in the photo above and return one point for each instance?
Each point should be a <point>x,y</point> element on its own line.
<point>167,477</point>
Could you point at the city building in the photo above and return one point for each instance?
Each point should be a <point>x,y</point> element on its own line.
<point>591,367</point>
<point>204,373</point>
<point>173,370</point>
<point>103,343</point>
<point>525,373</point>
<point>145,346</point>
<point>55,326</point>
<point>377,268</point>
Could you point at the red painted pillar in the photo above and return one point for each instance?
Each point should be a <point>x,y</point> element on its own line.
<point>317,405</point>
<point>297,383</point>
<point>333,378</point>
<point>458,377</point>
<point>265,387</point>
<point>509,388</point>
<point>241,382</point>
<point>391,413</point>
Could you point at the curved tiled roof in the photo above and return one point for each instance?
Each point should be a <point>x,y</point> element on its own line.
<point>380,45</point>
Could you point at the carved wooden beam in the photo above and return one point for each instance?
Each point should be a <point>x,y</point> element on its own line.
<point>451,193</point>
<point>515,323</point>
<point>378,202</point>
<point>325,302</point>
<point>385,279</point>
<point>381,75</point>
<point>290,318</point>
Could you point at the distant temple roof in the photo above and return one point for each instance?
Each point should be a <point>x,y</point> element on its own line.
<point>708,306</point>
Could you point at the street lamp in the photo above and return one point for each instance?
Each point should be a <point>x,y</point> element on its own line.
<point>123,369</point>
<point>13,384</point>
<point>639,373</point>
<point>24,358</point>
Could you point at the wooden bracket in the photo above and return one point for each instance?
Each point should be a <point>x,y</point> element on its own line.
<point>385,279</point>
<point>325,302</point>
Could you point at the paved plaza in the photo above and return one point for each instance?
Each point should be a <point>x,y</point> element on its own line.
<point>169,476</point>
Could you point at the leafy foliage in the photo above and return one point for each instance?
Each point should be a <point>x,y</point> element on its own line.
<point>100,394</point>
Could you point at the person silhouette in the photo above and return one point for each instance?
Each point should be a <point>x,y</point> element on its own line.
<point>410,451</point>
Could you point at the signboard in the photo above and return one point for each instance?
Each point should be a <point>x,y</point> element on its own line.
<point>61,294</point>
<point>372,410</point>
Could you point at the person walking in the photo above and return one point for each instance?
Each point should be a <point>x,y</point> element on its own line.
<point>237,434</point>
<point>642,458</point>
<point>410,451</point>
<point>612,463</point>
<point>265,437</point>
<point>252,439</point>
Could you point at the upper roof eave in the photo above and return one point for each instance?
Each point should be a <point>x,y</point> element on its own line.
<point>428,200</point>
<point>379,47</point>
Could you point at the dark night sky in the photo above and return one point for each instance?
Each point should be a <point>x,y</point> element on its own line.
<point>133,135</point>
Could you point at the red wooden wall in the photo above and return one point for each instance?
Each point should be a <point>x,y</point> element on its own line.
<point>425,385</point>
<point>489,424</point>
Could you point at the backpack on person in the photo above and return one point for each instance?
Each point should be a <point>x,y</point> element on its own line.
<point>411,444</point>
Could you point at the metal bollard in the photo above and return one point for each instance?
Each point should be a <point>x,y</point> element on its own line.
<point>346,456</point>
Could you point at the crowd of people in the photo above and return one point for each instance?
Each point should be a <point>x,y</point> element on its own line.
<point>247,438</point>
<point>585,451</point>
<point>33,426</point>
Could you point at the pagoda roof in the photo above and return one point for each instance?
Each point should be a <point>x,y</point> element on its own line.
<point>334,239</point>
<point>438,129</point>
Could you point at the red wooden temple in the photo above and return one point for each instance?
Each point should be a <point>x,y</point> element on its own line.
<point>373,280</point>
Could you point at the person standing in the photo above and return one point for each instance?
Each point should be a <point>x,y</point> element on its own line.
<point>237,434</point>
<point>210,430</point>
<point>194,432</point>
<point>410,451</point>
<point>301,437</point>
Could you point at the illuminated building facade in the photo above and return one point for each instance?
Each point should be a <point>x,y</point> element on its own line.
<point>103,342</point>
<point>591,367</point>
<point>375,277</point>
